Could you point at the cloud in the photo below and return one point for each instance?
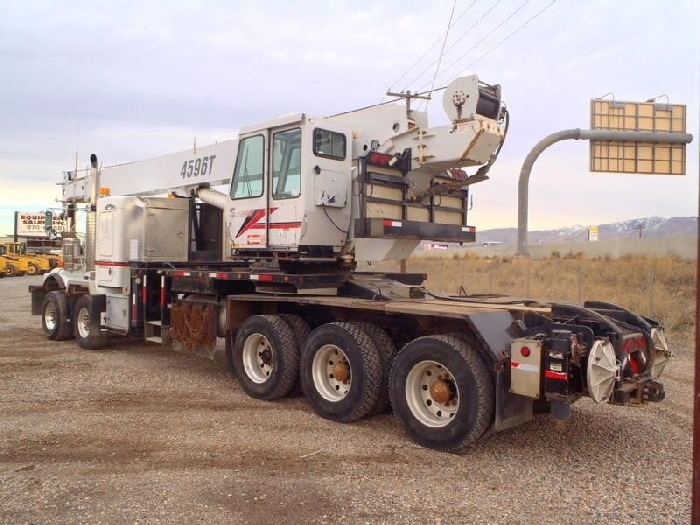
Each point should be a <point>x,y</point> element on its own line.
<point>131,80</point>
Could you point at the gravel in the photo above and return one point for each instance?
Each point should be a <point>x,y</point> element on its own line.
<point>138,433</point>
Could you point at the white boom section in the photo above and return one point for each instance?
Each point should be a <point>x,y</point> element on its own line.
<point>212,165</point>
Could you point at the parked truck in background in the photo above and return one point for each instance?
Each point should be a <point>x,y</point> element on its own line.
<point>270,266</point>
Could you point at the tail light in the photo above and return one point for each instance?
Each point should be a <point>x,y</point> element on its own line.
<point>636,352</point>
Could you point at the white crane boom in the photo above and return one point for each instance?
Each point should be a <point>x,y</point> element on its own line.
<point>212,165</point>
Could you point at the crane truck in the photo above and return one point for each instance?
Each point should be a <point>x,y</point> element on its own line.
<point>270,265</point>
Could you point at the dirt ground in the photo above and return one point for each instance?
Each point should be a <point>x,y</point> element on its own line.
<point>141,434</point>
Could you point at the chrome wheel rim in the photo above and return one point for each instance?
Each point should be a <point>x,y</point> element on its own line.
<point>50,316</point>
<point>83,322</point>
<point>331,373</point>
<point>432,394</point>
<point>258,358</point>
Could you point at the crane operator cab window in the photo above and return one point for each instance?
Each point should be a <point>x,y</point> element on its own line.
<point>329,144</point>
<point>248,175</point>
<point>286,164</point>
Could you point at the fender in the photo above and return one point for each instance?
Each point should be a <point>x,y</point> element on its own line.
<point>54,280</point>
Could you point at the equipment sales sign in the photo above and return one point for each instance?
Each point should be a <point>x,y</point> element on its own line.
<point>31,224</point>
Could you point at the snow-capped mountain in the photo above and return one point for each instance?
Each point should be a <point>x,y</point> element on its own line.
<point>644,227</point>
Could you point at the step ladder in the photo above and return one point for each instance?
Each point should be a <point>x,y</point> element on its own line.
<point>155,332</point>
<point>158,331</point>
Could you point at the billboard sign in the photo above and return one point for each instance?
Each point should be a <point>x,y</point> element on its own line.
<point>31,224</point>
<point>651,158</point>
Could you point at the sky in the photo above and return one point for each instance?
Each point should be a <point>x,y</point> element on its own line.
<point>132,80</point>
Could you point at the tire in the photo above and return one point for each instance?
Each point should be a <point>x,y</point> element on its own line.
<point>228,353</point>
<point>301,331</point>
<point>33,269</point>
<point>265,357</point>
<point>11,270</point>
<point>341,348</point>
<point>86,327</point>
<point>387,354</point>
<point>441,392</point>
<point>55,316</point>
<point>300,327</point>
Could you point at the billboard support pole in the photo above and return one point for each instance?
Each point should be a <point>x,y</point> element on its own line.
<point>579,134</point>
<point>14,235</point>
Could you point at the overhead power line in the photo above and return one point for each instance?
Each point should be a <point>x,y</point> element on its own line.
<point>527,22</point>
<point>510,35</point>
<point>496,28</point>
<point>462,37</point>
<point>437,69</point>
<point>432,45</point>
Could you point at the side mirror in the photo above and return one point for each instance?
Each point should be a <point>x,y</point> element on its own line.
<point>48,220</point>
<point>48,225</point>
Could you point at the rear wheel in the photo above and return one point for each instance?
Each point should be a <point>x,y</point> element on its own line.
<point>301,331</point>
<point>265,357</point>
<point>387,354</point>
<point>86,325</point>
<point>33,269</point>
<point>300,327</point>
<point>55,317</point>
<point>441,392</point>
<point>341,372</point>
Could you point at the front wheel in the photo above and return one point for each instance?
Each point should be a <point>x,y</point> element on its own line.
<point>11,270</point>
<point>441,392</point>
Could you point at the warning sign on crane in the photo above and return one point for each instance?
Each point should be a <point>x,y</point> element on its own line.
<point>652,158</point>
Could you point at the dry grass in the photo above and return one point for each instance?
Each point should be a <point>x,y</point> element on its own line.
<point>658,287</point>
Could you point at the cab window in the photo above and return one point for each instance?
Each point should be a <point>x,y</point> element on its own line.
<point>286,164</point>
<point>329,144</point>
<point>248,176</point>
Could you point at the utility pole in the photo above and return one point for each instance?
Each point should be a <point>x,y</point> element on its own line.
<point>408,96</point>
<point>640,227</point>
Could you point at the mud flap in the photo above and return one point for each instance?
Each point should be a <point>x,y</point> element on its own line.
<point>38,294</point>
<point>511,409</point>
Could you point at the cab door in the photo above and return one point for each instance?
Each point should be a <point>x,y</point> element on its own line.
<point>328,156</point>
<point>247,224</point>
<point>286,203</point>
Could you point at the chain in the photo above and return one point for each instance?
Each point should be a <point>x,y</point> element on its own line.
<point>194,325</point>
